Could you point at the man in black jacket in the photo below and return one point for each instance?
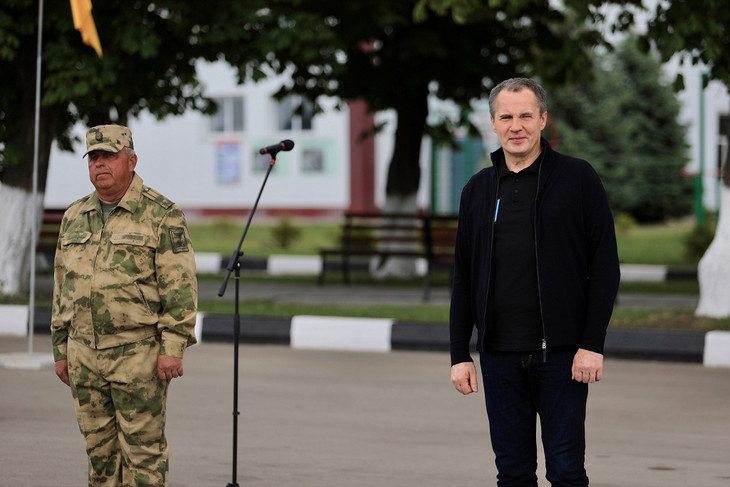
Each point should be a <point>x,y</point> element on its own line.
<point>537,272</point>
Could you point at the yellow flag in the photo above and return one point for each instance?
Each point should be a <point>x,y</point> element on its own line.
<point>84,23</point>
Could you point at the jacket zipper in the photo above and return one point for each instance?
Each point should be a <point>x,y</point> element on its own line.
<point>491,250</point>
<point>91,284</point>
<point>537,263</point>
<point>94,273</point>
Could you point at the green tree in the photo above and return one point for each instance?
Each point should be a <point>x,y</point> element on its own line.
<point>373,50</point>
<point>699,32</point>
<point>626,123</point>
<point>148,64</point>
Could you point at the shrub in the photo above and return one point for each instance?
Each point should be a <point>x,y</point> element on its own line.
<point>697,242</point>
<point>284,233</point>
<point>624,222</point>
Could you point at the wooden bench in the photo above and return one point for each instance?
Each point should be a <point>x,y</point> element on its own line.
<point>384,235</point>
<point>48,235</point>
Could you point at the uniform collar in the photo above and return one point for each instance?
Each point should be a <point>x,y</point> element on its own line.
<point>129,201</point>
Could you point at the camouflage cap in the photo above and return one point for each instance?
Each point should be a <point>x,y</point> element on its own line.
<point>110,138</point>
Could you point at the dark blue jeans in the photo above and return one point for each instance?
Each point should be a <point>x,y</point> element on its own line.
<point>518,387</point>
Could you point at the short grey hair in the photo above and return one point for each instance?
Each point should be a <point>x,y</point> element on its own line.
<point>515,85</point>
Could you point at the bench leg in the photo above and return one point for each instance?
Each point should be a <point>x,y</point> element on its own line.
<point>320,278</point>
<point>345,269</point>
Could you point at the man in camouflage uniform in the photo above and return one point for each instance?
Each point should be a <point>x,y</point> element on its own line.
<point>124,305</point>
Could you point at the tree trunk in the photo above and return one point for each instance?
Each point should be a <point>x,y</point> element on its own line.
<point>16,198</point>
<point>404,176</point>
<point>404,171</point>
<point>713,271</point>
<point>15,236</point>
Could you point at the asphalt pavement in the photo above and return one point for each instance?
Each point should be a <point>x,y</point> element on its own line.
<point>356,419</point>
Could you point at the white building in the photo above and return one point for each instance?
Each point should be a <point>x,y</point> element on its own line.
<point>211,166</point>
<point>706,114</point>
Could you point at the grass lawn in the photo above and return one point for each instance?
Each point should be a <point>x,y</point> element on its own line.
<point>222,236</point>
<point>622,318</point>
<point>655,244</point>
<point>650,244</point>
<point>645,244</point>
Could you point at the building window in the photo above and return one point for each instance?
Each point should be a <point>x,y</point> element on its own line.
<point>312,161</point>
<point>295,113</point>
<point>229,117</point>
<point>260,163</point>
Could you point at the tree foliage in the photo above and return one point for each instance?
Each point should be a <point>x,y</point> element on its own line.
<point>699,31</point>
<point>625,123</point>
<point>392,54</point>
<point>148,64</point>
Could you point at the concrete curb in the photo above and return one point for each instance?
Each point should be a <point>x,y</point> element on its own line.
<point>378,335</point>
<point>383,335</point>
<point>311,265</point>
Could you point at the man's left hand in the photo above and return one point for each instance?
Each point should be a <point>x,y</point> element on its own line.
<point>587,366</point>
<point>168,367</point>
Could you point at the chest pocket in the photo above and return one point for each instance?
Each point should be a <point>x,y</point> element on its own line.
<point>133,239</point>
<point>75,238</point>
<point>131,254</point>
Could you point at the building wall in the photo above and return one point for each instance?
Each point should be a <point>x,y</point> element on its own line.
<point>716,105</point>
<point>208,173</point>
<point>203,170</point>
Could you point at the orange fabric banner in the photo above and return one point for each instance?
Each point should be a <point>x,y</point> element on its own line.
<point>84,23</point>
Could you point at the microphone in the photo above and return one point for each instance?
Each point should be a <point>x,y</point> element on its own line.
<point>284,145</point>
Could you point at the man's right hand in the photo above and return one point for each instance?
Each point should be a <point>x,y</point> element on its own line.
<point>464,377</point>
<point>62,371</point>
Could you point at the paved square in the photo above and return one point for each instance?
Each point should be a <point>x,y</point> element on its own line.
<point>356,419</point>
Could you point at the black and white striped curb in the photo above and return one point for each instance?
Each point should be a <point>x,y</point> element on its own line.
<point>279,265</point>
<point>383,335</point>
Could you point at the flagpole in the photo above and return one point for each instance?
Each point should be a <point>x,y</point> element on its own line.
<point>34,223</point>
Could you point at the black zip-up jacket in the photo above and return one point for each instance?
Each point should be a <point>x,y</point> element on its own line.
<point>577,259</point>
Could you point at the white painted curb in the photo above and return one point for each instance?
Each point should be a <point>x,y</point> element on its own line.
<point>643,273</point>
<point>14,319</point>
<point>717,349</point>
<point>207,263</point>
<point>26,361</point>
<point>294,265</point>
<point>199,318</point>
<point>337,333</point>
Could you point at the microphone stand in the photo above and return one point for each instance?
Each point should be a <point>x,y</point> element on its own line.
<point>234,265</point>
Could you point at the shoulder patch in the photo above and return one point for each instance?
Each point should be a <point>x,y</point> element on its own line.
<point>156,197</point>
<point>178,240</point>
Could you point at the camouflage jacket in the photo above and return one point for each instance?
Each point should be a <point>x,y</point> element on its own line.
<point>130,278</point>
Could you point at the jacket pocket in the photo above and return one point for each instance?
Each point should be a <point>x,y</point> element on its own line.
<point>130,257</point>
<point>75,238</point>
<point>133,239</point>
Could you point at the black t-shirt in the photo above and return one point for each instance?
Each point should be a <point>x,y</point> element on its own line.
<point>514,299</point>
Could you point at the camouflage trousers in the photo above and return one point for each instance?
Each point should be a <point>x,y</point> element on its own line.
<point>120,406</point>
